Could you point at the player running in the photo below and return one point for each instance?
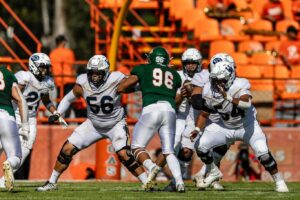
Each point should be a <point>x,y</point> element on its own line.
<point>159,84</point>
<point>9,135</point>
<point>106,119</point>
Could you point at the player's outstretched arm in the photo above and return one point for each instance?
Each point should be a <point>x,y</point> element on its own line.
<point>127,84</point>
<point>199,125</point>
<point>22,104</point>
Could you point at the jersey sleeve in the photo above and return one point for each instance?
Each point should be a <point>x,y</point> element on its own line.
<point>244,87</point>
<point>136,70</point>
<point>81,79</point>
<point>119,76</point>
<point>22,77</point>
<point>201,78</point>
<point>178,80</point>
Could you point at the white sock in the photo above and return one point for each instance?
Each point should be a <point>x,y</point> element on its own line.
<point>54,176</point>
<point>148,164</point>
<point>184,168</point>
<point>143,177</point>
<point>277,177</point>
<point>14,162</point>
<point>202,171</point>
<point>175,168</point>
<point>210,167</point>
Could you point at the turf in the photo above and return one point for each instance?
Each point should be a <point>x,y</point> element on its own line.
<point>118,190</point>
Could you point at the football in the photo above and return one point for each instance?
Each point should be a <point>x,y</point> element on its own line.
<point>188,87</point>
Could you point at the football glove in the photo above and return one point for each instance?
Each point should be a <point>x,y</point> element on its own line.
<point>24,131</point>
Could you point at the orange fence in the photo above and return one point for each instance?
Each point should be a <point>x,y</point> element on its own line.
<point>284,144</point>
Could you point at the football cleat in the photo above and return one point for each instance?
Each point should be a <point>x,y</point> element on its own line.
<point>2,182</point>
<point>213,176</point>
<point>47,187</point>
<point>153,173</point>
<point>217,185</point>
<point>171,187</point>
<point>8,176</point>
<point>180,187</point>
<point>281,186</point>
<point>198,179</point>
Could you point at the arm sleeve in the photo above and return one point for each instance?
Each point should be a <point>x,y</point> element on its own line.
<point>197,101</point>
<point>66,102</point>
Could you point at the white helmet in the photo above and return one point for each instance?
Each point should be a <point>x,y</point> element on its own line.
<point>220,57</point>
<point>99,65</point>
<point>191,55</point>
<point>36,61</point>
<point>223,71</point>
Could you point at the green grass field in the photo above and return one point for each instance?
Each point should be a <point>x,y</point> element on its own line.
<point>117,190</point>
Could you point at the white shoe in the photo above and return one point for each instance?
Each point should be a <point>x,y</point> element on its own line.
<point>8,176</point>
<point>180,187</point>
<point>217,185</point>
<point>281,186</point>
<point>198,179</point>
<point>213,176</point>
<point>47,187</point>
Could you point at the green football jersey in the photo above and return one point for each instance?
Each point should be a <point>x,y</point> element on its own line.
<point>6,81</point>
<point>157,83</point>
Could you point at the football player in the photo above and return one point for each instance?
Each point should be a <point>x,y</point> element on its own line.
<point>159,84</point>
<point>231,98</point>
<point>106,119</point>
<point>9,136</point>
<point>35,85</point>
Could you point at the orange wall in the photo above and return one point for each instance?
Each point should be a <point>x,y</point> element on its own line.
<point>284,143</point>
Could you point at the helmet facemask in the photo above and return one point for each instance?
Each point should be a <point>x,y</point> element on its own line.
<point>97,70</point>
<point>222,75</point>
<point>96,77</point>
<point>191,61</point>
<point>39,65</point>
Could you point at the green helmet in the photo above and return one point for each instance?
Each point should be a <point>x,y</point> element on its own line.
<point>159,55</point>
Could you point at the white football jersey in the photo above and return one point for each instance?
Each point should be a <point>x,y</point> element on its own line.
<point>232,117</point>
<point>200,79</point>
<point>184,107</point>
<point>104,106</point>
<point>33,90</point>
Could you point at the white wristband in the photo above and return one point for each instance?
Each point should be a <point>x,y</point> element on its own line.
<point>229,98</point>
<point>197,129</point>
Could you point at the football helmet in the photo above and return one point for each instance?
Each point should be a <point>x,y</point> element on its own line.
<point>97,70</point>
<point>191,56</point>
<point>159,55</point>
<point>223,74</point>
<point>39,65</point>
<point>218,58</point>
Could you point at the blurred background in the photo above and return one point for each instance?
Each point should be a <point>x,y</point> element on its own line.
<point>261,35</point>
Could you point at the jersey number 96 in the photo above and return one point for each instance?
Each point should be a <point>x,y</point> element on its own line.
<point>160,77</point>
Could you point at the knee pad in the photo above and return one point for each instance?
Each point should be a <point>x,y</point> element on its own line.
<point>15,162</point>
<point>207,157</point>
<point>268,162</point>
<point>64,158</point>
<point>131,164</point>
<point>184,155</point>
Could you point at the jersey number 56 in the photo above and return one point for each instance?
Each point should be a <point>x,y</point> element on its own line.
<point>106,105</point>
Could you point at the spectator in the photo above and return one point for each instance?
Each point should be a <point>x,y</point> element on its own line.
<point>289,50</point>
<point>62,60</point>
<point>273,11</point>
<point>246,167</point>
<point>296,10</point>
<point>221,6</point>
